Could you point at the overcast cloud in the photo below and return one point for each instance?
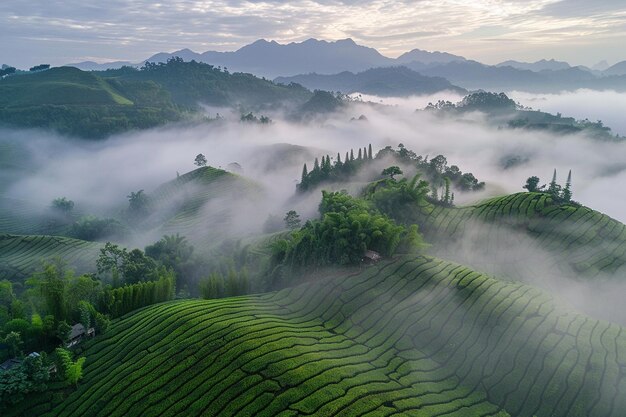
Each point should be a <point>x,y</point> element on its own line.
<point>62,31</point>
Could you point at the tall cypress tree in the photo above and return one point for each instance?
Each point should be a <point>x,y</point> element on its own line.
<point>347,158</point>
<point>567,191</point>
<point>360,155</point>
<point>369,152</point>
<point>316,165</point>
<point>338,161</point>
<point>553,188</point>
<point>305,172</point>
<point>352,154</point>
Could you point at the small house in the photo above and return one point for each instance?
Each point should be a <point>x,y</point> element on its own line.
<point>371,257</point>
<point>9,364</point>
<point>77,334</point>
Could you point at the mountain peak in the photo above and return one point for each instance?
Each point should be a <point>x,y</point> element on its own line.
<point>347,41</point>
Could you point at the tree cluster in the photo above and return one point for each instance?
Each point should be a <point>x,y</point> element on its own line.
<point>435,171</point>
<point>333,171</point>
<point>480,101</point>
<point>397,198</point>
<point>7,71</point>
<point>30,375</point>
<point>560,194</point>
<point>40,67</point>
<point>217,286</point>
<point>123,300</point>
<point>347,229</point>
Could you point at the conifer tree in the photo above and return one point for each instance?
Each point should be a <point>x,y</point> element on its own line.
<point>567,191</point>
<point>360,156</point>
<point>364,152</point>
<point>305,172</point>
<point>553,188</point>
<point>316,165</point>
<point>351,155</point>
<point>338,161</point>
<point>369,152</point>
<point>347,160</point>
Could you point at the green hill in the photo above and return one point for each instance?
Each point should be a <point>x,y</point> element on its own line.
<point>80,103</point>
<point>99,104</point>
<point>22,255</point>
<point>201,204</point>
<point>58,86</point>
<point>579,240</point>
<point>193,83</point>
<point>412,337</point>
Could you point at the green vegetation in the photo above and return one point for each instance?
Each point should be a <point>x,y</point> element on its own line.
<point>348,228</point>
<point>375,329</point>
<point>191,83</point>
<point>416,336</point>
<point>517,116</point>
<point>79,103</point>
<point>436,171</point>
<point>99,104</point>
<point>72,370</point>
<point>322,102</point>
<point>576,240</point>
<point>30,375</point>
<point>20,256</point>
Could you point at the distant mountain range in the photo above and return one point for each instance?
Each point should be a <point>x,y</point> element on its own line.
<point>617,69</point>
<point>385,82</point>
<point>543,65</point>
<point>318,57</point>
<point>271,59</point>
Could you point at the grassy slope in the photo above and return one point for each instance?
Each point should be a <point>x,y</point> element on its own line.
<point>577,239</point>
<point>413,337</point>
<point>21,255</point>
<point>190,83</point>
<point>80,103</point>
<point>62,85</point>
<point>199,204</point>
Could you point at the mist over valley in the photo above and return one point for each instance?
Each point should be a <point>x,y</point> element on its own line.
<point>314,226</point>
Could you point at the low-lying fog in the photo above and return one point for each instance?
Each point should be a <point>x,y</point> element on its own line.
<point>99,175</point>
<point>607,106</point>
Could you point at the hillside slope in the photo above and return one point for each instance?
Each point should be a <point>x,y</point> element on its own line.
<point>527,231</point>
<point>202,205</point>
<point>78,103</point>
<point>412,337</point>
<point>58,86</point>
<point>22,255</point>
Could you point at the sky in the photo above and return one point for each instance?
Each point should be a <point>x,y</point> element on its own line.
<point>582,32</point>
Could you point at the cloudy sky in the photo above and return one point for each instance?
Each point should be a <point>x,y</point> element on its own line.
<point>491,31</point>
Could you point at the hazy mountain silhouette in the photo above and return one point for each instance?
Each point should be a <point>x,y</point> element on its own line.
<point>312,58</point>
<point>542,65</point>
<point>386,82</point>
<point>617,69</point>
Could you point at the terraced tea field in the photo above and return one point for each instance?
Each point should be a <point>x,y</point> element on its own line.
<point>528,230</point>
<point>410,337</point>
<point>200,204</point>
<point>22,255</point>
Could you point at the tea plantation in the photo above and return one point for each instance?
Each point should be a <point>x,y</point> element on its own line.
<point>574,239</point>
<point>200,204</point>
<point>415,336</point>
<point>22,255</point>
